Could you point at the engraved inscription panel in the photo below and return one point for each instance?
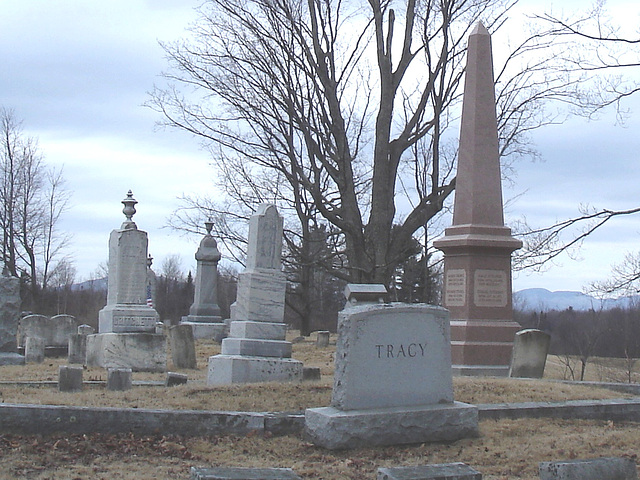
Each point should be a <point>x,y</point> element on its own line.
<point>455,287</point>
<point>134,322</point>
<point>490,288</point>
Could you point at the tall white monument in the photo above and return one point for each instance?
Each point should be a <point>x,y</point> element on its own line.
<point>256,349</point>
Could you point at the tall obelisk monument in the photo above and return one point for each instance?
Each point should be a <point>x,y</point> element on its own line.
<point>478,247</point>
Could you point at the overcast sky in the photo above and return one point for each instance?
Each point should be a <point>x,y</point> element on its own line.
<point>77,73</point>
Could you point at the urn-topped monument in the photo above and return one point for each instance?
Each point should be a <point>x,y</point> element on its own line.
<point>478,246</point>
<point>127,323</point>
<point>204,315</point>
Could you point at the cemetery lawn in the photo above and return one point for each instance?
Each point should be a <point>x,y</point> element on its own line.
<point>506,449</point>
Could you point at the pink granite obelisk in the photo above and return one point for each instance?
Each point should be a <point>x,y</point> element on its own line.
<point>478,247</point>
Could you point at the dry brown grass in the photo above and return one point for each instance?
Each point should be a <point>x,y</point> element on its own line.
<point>198,395</point>
<point>506,449</point>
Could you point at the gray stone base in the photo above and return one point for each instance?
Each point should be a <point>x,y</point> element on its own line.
<point>480,370</point>
<point>256,348</point>
<point>334,429</point>
<point>228,369</point>
<point>258,330</point>
<point>607,468</point>
<point>8,358</point>
<point>209,330</point>
<point>141,352</point>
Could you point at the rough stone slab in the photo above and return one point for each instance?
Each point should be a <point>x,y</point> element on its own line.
<point>239,473</point>
<point>258,330</point>
<point>142,352</point>
<point>480,370</point>
<point>392,355</point>
<point>590,469</point>
<point>7,358</point>
<point>70,378</point>
<point>331,428</point>
<point>442,471</point>
<point>256,348</point>
<point>228,369</point>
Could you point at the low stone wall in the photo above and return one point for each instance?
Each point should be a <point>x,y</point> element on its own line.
<point>48,419</point>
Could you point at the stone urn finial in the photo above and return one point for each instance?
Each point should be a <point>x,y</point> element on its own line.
<point>129,210</point>
<point>209,226</point>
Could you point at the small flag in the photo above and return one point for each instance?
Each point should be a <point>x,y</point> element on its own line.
<point>149,298</point>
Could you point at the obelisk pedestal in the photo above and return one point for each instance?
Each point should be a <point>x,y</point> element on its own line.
<point>204,315</point>
<point>478,247</point>
<point>256,349</point>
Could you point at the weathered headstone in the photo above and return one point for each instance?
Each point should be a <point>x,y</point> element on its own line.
<point>478,247</point>
<point>256,349</point>
<point>70,378</point>
<point>127,324</point>
<point>392,381</point>
<point>443,471</point>
<point>174,378</point>
<point>322,339</point>
<point>9,316</point>
<point>590,469</point>
<point>118,379</point>
<point>529,356</point>
<point>55,331</point>
<point>77,349</point>
<point>204,315</point>
<point>85,329</point>
<point>183,346</point>
<point>242,473</point>
<point>34,350</point>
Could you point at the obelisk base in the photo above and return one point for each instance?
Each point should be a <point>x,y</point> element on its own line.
<point>482,348</point>
<point>206,327</point>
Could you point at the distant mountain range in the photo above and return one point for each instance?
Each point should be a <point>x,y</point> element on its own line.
<point>541,299</point>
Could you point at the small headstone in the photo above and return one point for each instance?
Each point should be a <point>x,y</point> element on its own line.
<point>54,331</point>
<point>174,379</point>
<point>311,373</point>
<point>85,329</point>
<point>77,349</point>
<point>357,293</point>
<point>70,378</point>
<point>118,379</point>
<point>183,346</point>
<point>529,356</point>
<point>322,340</point>
<point>240,473</point>
<point>34,350</point>
<point>607,468</point>
<point>443,471</point>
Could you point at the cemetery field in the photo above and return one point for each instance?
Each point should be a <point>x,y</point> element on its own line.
<point>506,449</point>
<point>36,384</point>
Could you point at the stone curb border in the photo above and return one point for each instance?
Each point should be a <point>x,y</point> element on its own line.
<point>50,419</point>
